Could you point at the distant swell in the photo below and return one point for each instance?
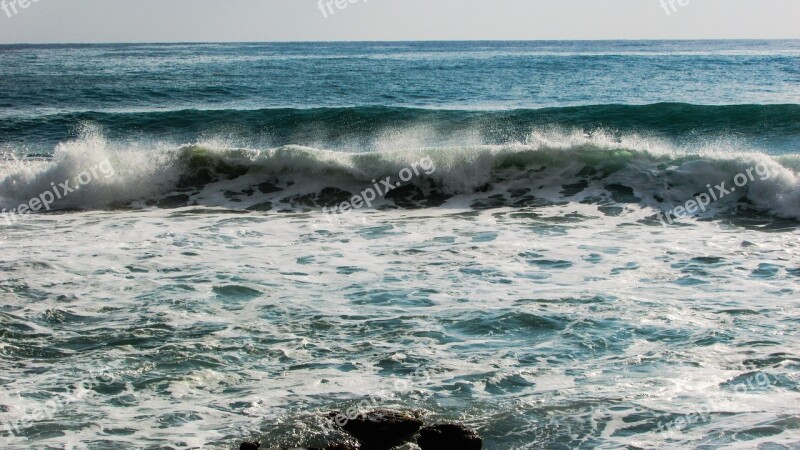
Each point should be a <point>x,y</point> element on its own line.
<point>357,127</point>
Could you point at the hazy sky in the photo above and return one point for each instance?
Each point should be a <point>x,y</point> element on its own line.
<point>301,20</point>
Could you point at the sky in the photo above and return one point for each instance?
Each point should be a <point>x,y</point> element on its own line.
<point>96,21</point>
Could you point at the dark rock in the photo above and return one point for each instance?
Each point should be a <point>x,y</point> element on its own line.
<point>382,429</point>
<point>336,446</point>
<point>449,436</point>
<point>339,446</point>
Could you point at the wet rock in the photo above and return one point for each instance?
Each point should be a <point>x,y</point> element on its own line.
<point>386,429</point>
<point>338,446</point>
<point>449,436</point>
<point>382,429</point>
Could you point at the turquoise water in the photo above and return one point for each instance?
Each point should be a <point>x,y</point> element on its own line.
<point>529,266</point>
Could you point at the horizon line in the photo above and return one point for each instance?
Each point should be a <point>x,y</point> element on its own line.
<point>398,41</point>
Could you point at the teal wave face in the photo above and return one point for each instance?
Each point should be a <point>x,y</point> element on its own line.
<point>775,128</point>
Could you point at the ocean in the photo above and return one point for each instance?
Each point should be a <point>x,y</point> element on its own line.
<point>563,245</point>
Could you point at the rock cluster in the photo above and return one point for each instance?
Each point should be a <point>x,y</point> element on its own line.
<point>385,429</point>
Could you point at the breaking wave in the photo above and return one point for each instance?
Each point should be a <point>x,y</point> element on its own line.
<point>546,168</point>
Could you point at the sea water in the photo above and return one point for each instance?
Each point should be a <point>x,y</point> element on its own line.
<point>559,244</point>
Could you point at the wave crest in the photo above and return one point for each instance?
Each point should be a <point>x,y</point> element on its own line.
<point>546,168</point>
